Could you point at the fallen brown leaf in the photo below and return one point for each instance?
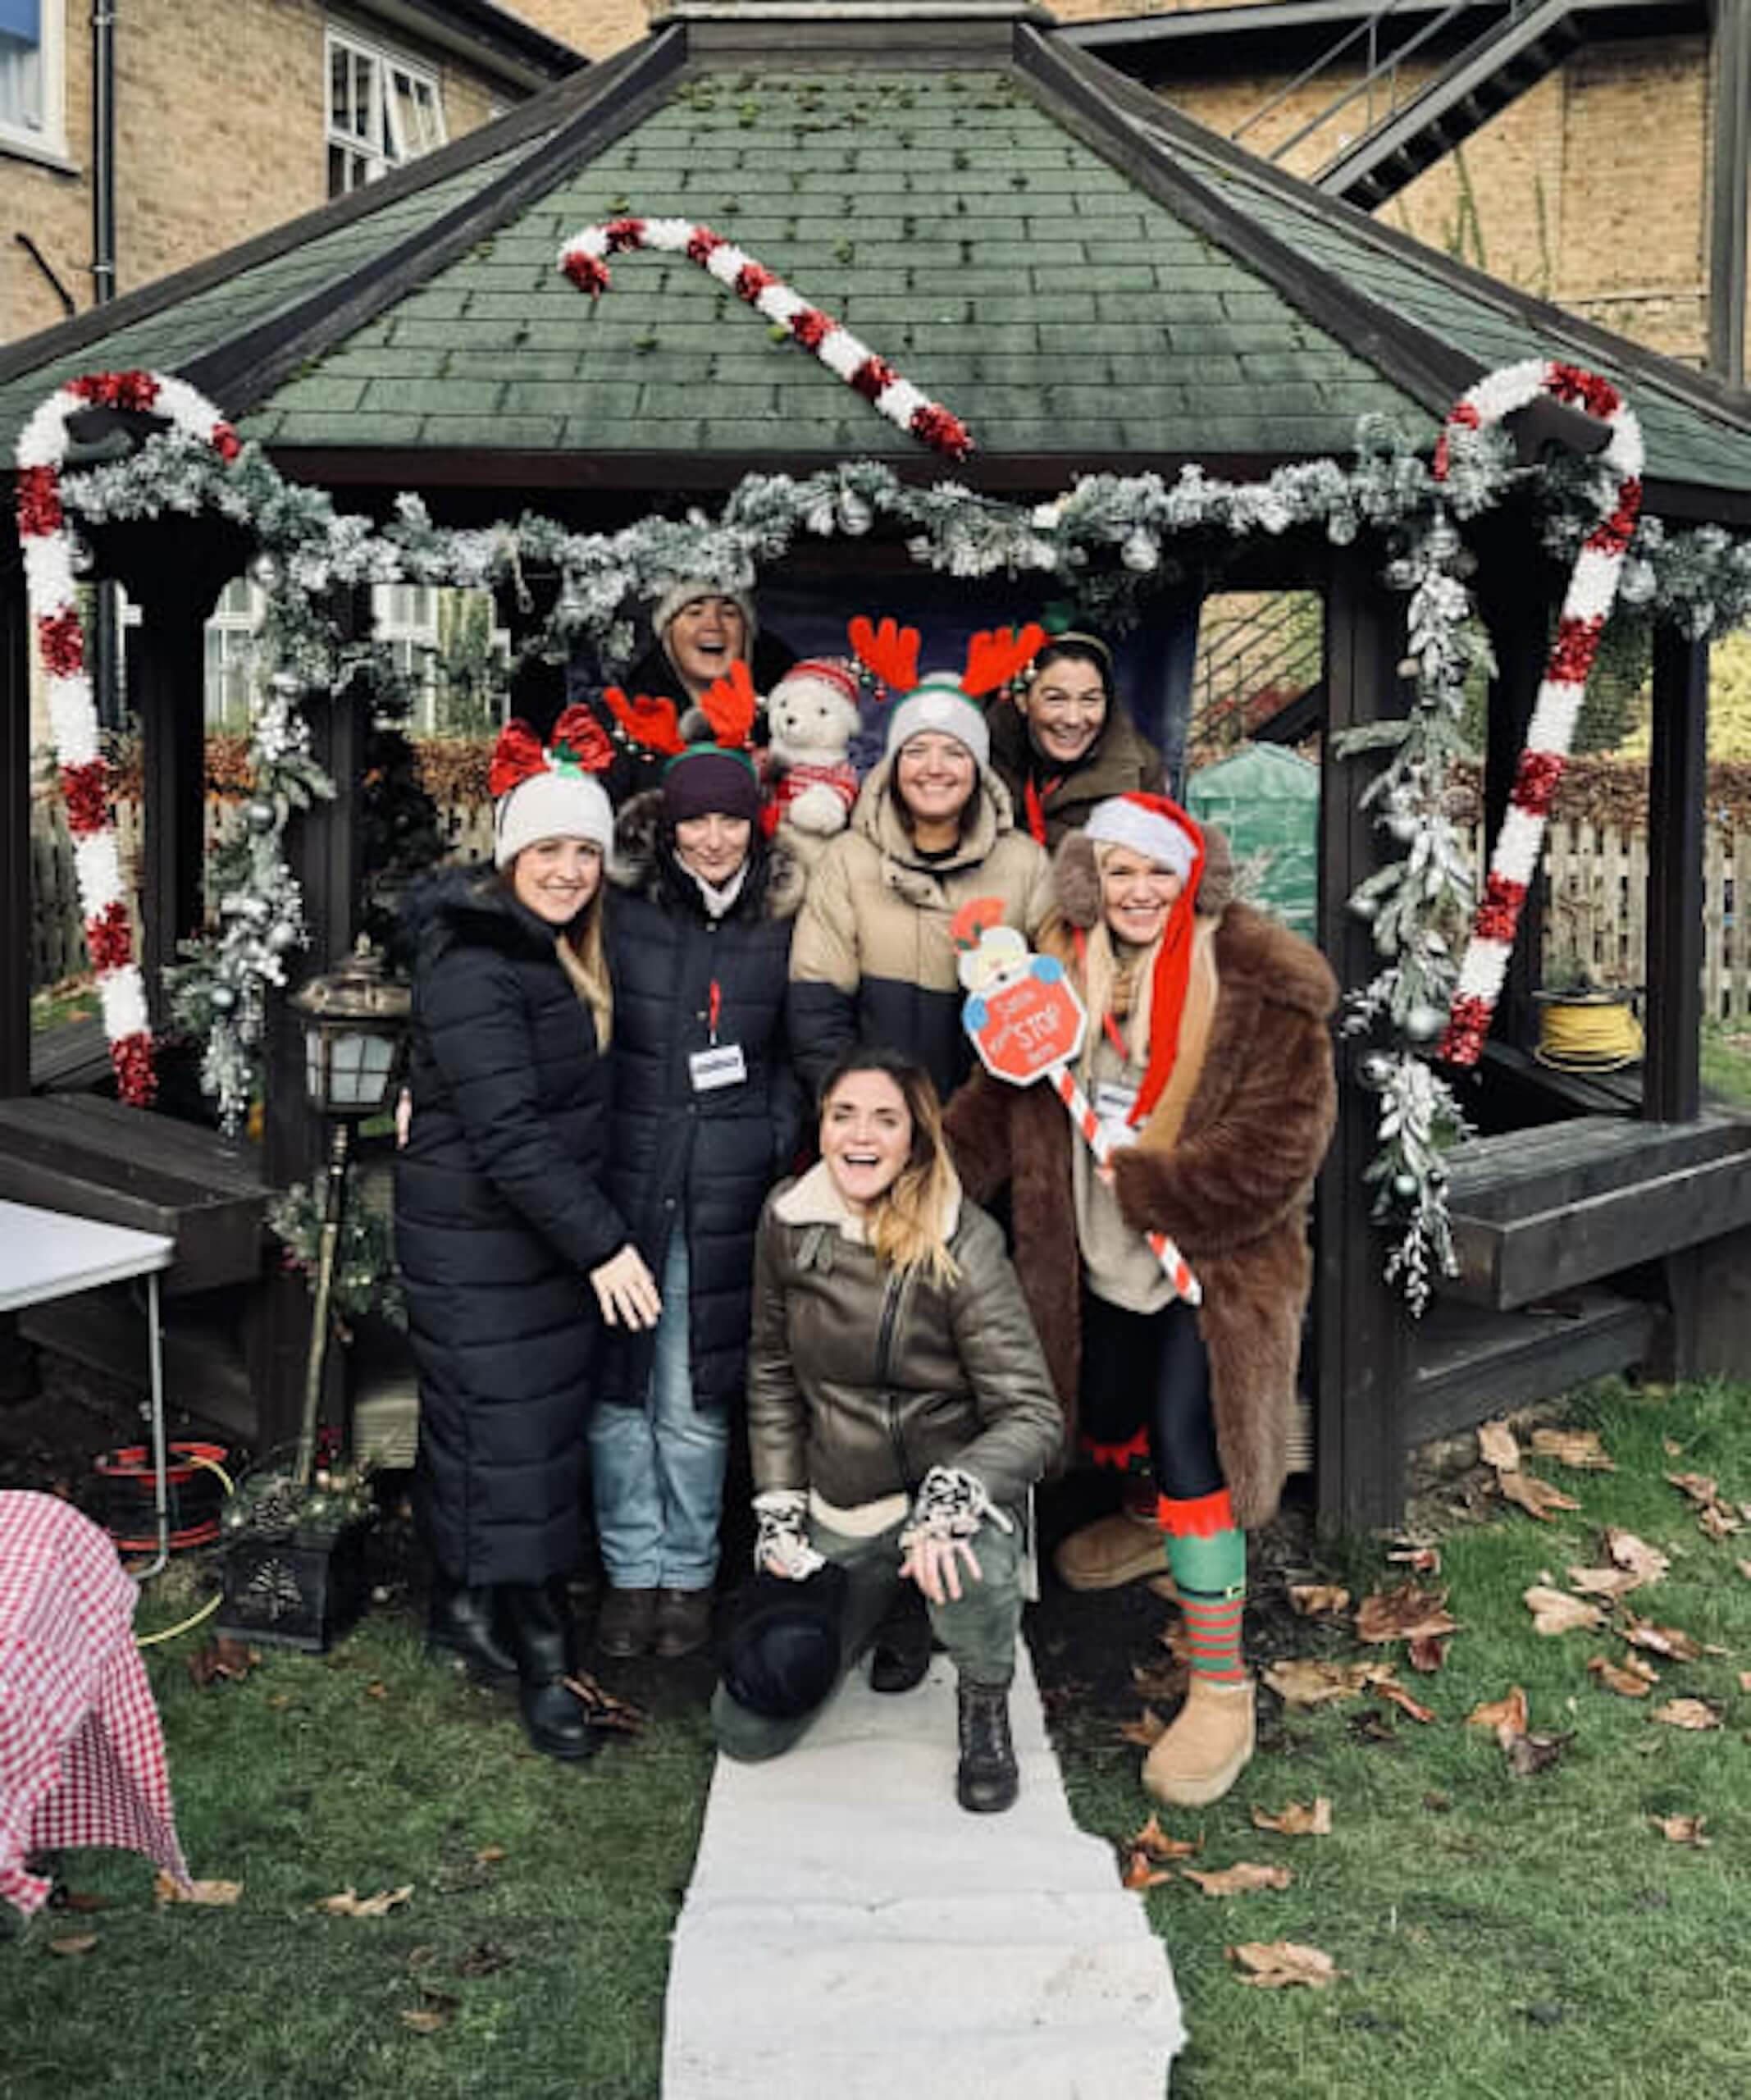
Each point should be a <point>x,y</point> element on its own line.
<point>1681,1829</point>
<point>1745,1680</point>
<point>1555,1611</point>
<point>1696,1714</point>
<point>1745,1569</point>
<point>1498,1446</point>
<point>1604,1582</point>
<point>1671,1447</point>
<point>1309,1599</point>
<point>603,1710</point>
<point>1141,1872</point>
<point>1645,1562</point>
<point>1701,1488</point>
<point>1663,1639</point>
<point>1238,1879</point>
<point>222,1658</point>
<point>489,1855</point>
<point>166,1889</point>
<point>1578,1448</point>
<point>1509,1713</point>
<point>73,1943</point>
<point>1427,1652</point>
<point>435,2012</point>
<point>1281,1963</point>
<point>350,1904</point>
<point>1715,1523</point>
<point>1407,1613</point>
<point>1386,1688</point>
<point>1303,1681</point>
<point>1529,1754</point>
<point>376,1689</point>
<point>1537,1497</point>
<point>1145,1730</point>
<point>1299,1820</point>
<point>1634,1681</point>
<point>1155,1841</point>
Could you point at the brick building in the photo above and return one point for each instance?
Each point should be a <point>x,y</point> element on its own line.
<point>187,126</point>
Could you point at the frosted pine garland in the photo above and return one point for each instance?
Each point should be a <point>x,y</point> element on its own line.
<point>1586,605</point>
<point>50,573</point>
<point>583,260</point>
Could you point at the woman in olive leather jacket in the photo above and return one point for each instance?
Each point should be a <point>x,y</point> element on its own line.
<point>899,1406</point>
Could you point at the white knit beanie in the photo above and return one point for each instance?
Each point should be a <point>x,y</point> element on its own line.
<point>938,702</point>
<point>565,804</point>
<point>687,590</point>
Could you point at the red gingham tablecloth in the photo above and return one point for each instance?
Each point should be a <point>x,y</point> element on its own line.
<point>81,1755</point>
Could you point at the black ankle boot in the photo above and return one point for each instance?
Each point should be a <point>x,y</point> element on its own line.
<point>539,1627</point>
<point>464,1625</point>
<point>987,1780</point>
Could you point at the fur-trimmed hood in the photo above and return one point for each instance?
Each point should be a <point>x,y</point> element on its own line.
<point>643,865</point>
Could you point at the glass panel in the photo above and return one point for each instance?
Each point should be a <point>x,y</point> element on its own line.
<point>313,1076</point>
<point>21,65</point>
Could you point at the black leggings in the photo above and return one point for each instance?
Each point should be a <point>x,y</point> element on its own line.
<point>1148,1371</point>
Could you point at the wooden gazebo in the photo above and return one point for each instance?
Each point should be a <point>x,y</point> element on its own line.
<point>1094,284</point>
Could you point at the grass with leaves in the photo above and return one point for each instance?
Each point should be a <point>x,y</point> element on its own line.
<point>1500,1938</point>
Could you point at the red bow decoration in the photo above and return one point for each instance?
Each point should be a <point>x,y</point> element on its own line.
<point>995,656</point>
<point>517,756</point>
<point>889,650</point>
<point>583,740</point>
<point>651,722</point>
<point>728,705</point>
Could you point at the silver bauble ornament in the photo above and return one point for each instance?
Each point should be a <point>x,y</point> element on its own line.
<point>1404,1187</point>
<point>1363,908</point>
<point>1139,554</point>
<point>265,570</point>
<point>222,998</point>
<point>1424,1023</point>
<point>856,513</point>
<point>1401,575</point>
<point>287,683</point>
<point>1636,582</point>
<point>1375,1070</point>
<point>1441,542</point>
<point>261,817</point>
<point>282,938</point>
<point>1401,827</point>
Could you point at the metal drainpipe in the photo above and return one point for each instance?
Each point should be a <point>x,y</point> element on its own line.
<point>107,625</point>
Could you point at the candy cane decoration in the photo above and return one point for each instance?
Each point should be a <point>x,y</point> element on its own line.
<point>1093,1133</point>
<point>85,774</point>
<point>903,404</point>
<point>1586,605</point>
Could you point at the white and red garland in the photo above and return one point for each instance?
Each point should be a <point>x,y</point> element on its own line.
<point>1586,606</point>
<point>907,406</point>
<point>86,785</point>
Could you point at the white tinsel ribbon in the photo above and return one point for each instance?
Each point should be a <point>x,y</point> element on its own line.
<point>1586,605</point>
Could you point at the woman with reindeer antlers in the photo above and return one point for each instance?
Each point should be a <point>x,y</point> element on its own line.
<point>873,960</point>
<point>707,1115</point>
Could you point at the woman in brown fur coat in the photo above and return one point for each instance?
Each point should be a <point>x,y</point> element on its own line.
<point>1208,1056</point>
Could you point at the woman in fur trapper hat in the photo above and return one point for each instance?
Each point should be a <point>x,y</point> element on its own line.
<point>1208,1057</point>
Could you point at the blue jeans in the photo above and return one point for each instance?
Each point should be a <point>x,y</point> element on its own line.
<point>657,1470</point>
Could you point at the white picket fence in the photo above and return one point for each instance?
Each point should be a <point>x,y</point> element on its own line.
<point>1597,905</point>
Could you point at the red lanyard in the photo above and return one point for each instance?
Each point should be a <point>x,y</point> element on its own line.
<point>1036,807</point>
<point>1108,1025</point>
<point>714,1008</point>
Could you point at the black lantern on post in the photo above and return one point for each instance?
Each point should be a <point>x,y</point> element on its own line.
<point>355,1022</point>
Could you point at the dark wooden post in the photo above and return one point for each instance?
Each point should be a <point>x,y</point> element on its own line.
<point>1360,1328</point>
<point>1513,597</point>
<point>1677,789</point>
<point>14,826</point>
<point>321,847</point>
<point>167,689</point>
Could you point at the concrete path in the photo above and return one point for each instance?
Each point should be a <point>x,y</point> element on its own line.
<point>851,1934</point>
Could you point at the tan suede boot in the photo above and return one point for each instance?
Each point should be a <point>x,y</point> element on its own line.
<point>1207,1748</point>
<point>1111,1552</point>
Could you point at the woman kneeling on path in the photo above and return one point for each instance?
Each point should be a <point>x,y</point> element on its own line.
<point>899,1407</point>
<point>1208,1057</point>
<point>510,1251</point>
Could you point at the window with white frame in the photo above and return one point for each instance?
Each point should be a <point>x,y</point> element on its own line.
<point>32,81</point>
<point>230,641</point>
<point>382,110</point>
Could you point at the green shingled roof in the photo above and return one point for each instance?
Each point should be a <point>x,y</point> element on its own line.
<point>1075,271</point>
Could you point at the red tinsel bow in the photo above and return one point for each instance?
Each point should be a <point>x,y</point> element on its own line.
<point>580,737</point>
<point>651,722</point>
<point>517,756</point>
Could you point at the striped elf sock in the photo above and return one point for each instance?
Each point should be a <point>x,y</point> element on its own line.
<point>1207,1555</point>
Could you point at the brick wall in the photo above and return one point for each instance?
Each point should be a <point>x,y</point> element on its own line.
<point>219,134</point>
<point>594,27</point>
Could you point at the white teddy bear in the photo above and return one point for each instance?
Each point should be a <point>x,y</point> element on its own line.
<point>811,717</point>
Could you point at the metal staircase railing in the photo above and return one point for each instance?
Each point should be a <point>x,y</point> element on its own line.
<point>1274,650</point>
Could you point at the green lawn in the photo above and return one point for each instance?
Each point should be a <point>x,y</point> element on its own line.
<point>1500,1939</point>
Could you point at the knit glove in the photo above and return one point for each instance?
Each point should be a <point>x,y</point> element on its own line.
<point>951,1505</point>
<point>780,1544</point>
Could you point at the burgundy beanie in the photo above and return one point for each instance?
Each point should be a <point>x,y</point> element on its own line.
<point>707,781</point>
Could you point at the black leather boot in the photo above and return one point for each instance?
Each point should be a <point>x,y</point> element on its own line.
<point>464,1625</point>
<point>540,1626</point>
<point>987,1780</point>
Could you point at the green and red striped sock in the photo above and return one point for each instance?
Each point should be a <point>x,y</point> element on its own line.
<point>1207,1555</point>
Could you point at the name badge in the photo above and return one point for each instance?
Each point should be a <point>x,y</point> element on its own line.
<point>722,1065</point>
<point>1113,1104</point>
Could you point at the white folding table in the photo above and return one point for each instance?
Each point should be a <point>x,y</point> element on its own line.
<point>46,1254</point>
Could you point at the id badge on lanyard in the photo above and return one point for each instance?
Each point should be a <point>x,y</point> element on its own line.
<point>722,1064</point>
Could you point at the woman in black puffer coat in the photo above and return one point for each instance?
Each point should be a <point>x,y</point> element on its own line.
<point>706,1117</point>
<point>510,1249</point>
